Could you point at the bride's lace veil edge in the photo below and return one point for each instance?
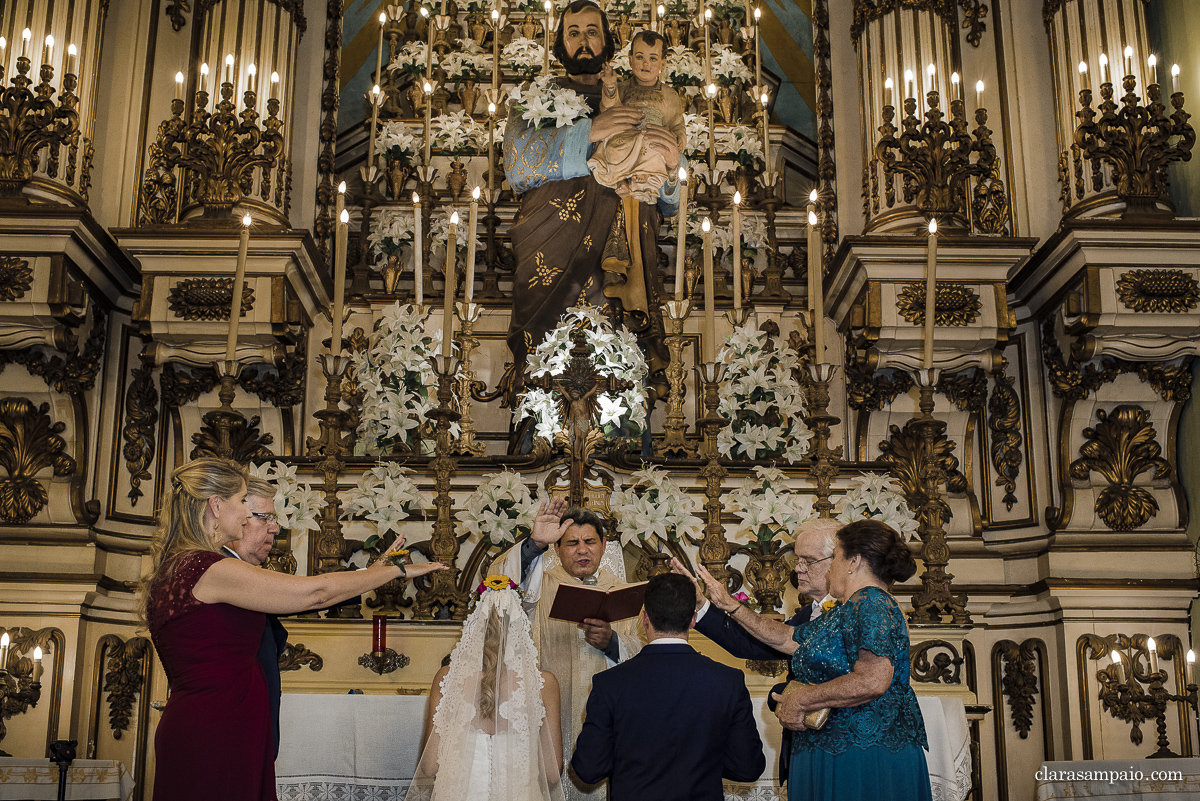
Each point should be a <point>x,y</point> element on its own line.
<point>488,738</point>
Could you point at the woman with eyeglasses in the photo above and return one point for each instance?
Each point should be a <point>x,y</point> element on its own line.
<point>206,614</point>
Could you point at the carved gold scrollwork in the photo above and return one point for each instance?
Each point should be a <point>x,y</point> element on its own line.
<point>871,391</point>
<point>125,672</point>
<point>1121,447</point>
<point>945,667</point>
<point>1019,683</point>
<point>29,443</point>
<point>990,205</point>
<point>141,418</point>
<point>954,304</point>
<point>903,450</point>
<point>1172,382</point>
<point>867,11</point>
<point>1004,423</point>
<point>967,389</point>
<point>175,11</point>
<point>327,132</point>
<point>1158,291</point>
<point>974,12</point>
<point>72,373</point>
<point>16,278</point>
<point>248,443</point>
<point>207,298</point>
<point>293,657</point>
<point>181,386</point>
<point>826,164</point>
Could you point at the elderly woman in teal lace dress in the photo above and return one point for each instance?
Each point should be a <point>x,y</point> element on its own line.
<point>854,661</point>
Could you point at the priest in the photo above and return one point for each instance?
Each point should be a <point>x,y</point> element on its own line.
<point>572,652</point>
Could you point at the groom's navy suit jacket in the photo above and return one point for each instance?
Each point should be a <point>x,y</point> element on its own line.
<point>725,632</point>
<point>668,725</point>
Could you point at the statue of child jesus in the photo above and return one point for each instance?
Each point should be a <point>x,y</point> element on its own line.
<point>623,161</point>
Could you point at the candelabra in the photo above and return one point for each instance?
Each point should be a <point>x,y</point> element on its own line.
<point>32,121</point>
<point>440,588</point>
<point>225,419</point>
<point>713,548</point>
<point>926,435</point>
<point>935,158</point>
<point>219,150</point>
<point>773,274</point>
<point>824,468</point>
<point>328,548</point>
<point>20,686</point>
<point>675,429</point>
<point>467,380</point>
<point>1135,141</point>
<point>491,276</point>
<point>1122,694</point>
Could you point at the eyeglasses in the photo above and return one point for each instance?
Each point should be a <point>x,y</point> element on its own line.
<point>806,564</point>
<point>266,517</point>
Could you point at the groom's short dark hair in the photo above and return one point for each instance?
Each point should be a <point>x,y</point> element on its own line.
<point>670,603</point>
<point>559,50</point>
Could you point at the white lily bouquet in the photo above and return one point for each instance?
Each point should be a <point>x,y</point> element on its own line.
<point>523,56</point>
<point>696,127</point>
<point>684,67</point>
<point>727,66</point>
<point>765,403</point>
<point>654,506</point>
<point>411,60</point>
<point>615,354</point>
<point>501,510</point>
<point>385,495</point>
<point>742,144</point>
<point>876,497</point>
<point>543,102</point>
<point>296,504</point>
<point>754,237</point>
<point>620,61</point>
<point>767,510</point>
<point>455,133</point>
<point>468,63</point>
<point>395,142</point>
<point>392,230</point>
<point>398,381</point>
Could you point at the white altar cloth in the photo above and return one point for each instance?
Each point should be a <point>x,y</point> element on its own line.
<point>30,779</point>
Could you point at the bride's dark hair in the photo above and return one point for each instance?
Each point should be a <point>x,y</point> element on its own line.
<point>491,666</point>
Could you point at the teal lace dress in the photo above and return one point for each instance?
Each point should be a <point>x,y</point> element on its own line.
<point>872,751</point>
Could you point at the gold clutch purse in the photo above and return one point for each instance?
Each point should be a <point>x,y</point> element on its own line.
<point>815,719</point>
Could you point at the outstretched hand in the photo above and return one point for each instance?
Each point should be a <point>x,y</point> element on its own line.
<point>420,569</point>
<point>716,591</point>
<point>677,567</point>
<point>548,526</point>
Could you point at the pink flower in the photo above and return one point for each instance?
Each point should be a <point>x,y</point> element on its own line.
<point>743,597</point>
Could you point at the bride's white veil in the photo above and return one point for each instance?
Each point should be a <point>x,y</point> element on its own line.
<point>489,738</point>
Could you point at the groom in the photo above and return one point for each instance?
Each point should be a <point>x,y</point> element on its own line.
<point>669,724</point>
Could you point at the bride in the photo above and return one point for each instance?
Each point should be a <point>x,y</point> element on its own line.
<point>493,729</point>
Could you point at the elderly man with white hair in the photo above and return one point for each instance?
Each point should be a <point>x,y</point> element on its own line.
<point>738,631</point>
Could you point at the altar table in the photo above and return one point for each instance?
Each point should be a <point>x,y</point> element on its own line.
<point>351,746</point>
<point>36,779</point>
<point>1113,780</point>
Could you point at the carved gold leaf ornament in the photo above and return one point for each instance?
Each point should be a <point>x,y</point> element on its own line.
<point>1172,291</point>
<point>954,304</point>
<point>1121,447</point>
<point>1019,682</point>
<point>207,298</point>
<point>29,443</point>
<point>16,277</point>
<point>123,677</point>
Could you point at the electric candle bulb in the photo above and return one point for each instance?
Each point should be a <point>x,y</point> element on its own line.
<point>711,90</point>
<point>1128,60</point>
<point>1190,675</point>
<point>48,50</point>
<point>424,12</point>
<point>705,225</point>
<point>382,18</point>
<point>203,77</point>
<point>887,92</point>
<point>1175,78</point>
<point>274,85</point>
<point>229,68</point>
<point>72,53</point>
<point>3,44</point>
<point>491,109</point>
<point>979,94</point>
<point>765,98</point>
<point>1153,650</point>
<point>1153,63</point>
<point>252,73</point>
<point>757,15</point>
<point>707,14</point>
<point>931,70</point>
<point>179,86</point>
<point>662,10</point>
<point>933,226</point>
<point>1103,66</point>
<point>956,90</point>
<point>345,218</point>
<point>812,218</point>
<point>428,88</point>
<point>812,196</point>
<point>342,187</point>
<point>908,82</point>
<point>26,36</point>
<point>1083,68</point>
<point>246,220</point>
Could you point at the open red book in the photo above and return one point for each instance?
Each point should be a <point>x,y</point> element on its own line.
<point>574,603</point>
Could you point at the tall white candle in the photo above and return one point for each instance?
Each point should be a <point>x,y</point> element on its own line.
<point>766,133</point>
<point>930,295</point>
<point>736,249</point>
<point>757,47</point>
<point>495,50</point>
<point>816,279</point>
<point>448,309</point>
<point>428,87</point>
<point>546,44</point>
<point>710,307</point>
<point>239,277</point>
<point>681,234</point>
<point>376,98</point>
<point>379,55</point>
<point>418,247</point>
<point>472,217</point>
<point>339,282</point>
